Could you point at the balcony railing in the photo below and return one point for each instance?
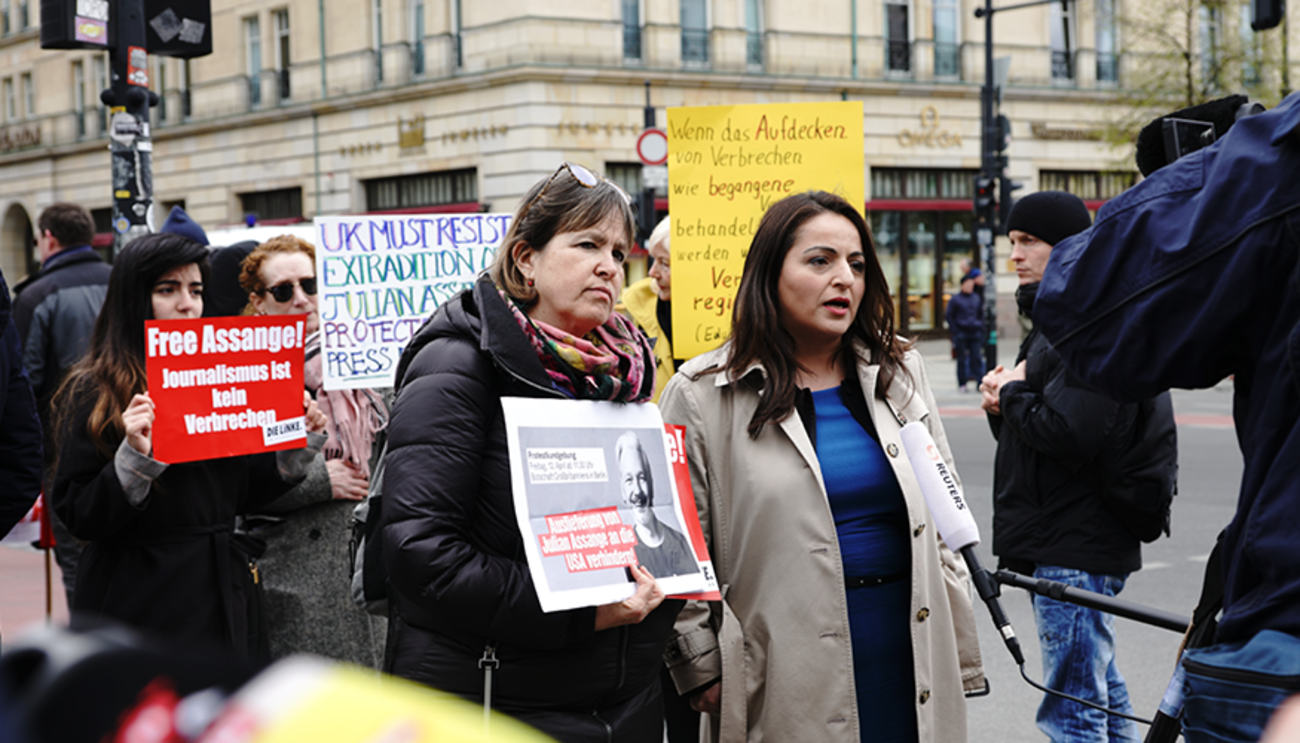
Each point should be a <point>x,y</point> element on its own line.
<point>254,90</point>
<point>754,49</point>
<point>898,56</point>
<point>947,60</point>
<point>417,58</point>
<point>1107,68</point>
<point>695,45</point>
<point>1062,66</point>
<point>631,41</point>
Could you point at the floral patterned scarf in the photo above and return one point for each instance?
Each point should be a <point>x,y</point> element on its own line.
<point>609,363</point>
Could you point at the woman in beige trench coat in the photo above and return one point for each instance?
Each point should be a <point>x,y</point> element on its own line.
<point>775,659</point>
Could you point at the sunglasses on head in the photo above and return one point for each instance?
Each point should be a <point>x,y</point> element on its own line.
<point>584,177</point>
<point>284,292</point>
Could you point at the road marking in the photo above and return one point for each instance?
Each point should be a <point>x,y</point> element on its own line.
<point>1157,565</point>
<point>1194,421</point>
<point>1199,558</point>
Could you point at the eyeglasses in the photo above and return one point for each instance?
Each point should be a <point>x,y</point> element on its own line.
<point>584,177</point>
<point>284,292</point>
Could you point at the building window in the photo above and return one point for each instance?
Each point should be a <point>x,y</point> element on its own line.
<point>909,183</point>
<point>457,41</point>
<point>754,33</point>
<point>1107,59</point>
<point>283,203</point>
<point>103,219</point>
<point>377,19</point>
<point>1211,47</point>
<point>695,32</point>
<point>253,50</point>
<point>947,55</point>
<point>24,18</point>
<point>29,95</point>
<point>101,83</point>
<point>1061,22</point>
<point>186,104</point>
<point>1089,185</point>
<point>626,175</point>
<point>417,37</point>
<point>898,48</point>
<point>160,79</point>
<point>4,17</point>
<point>632,30</point>
<point>79,96</point>
<point>282,58</point>
<point>425,189</point>
<point>11,103</point>
<point>1252,54</point>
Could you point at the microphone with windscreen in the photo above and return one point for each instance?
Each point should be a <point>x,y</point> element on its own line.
<point>955,524</point>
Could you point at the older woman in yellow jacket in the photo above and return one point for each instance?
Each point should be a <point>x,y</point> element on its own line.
<point>649,303</point>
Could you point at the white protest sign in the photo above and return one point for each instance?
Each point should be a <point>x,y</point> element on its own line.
<point>380,277</point>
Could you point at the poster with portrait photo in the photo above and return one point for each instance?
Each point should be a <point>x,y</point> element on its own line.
<point>594,494</point>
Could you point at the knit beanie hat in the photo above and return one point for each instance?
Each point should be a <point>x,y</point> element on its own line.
<point>1050,216</point>
<point>179,223</point>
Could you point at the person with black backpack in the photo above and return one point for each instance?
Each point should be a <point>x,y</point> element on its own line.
<point>1073,473</point>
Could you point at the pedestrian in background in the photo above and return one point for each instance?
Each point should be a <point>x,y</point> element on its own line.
<point>55,311</point>
<point>160,555</point>
<point>308,609</point>
<point>650,304</point>
<point>1060,447</point>
<point>20,428</point>
<point>844,616</point>
<point>540,323</point>
<point>965,317</point>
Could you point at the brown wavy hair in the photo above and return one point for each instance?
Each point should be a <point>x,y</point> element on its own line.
<point>566,206</point>
<point>758,335</point>
<point>113,367</point>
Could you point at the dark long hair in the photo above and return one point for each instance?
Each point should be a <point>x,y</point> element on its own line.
<point>113,367</point>
<point>757,332</point>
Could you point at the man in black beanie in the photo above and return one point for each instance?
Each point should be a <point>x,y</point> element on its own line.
<point>1062,452</point>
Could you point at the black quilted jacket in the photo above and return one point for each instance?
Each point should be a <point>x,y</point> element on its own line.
<point>455,558</point>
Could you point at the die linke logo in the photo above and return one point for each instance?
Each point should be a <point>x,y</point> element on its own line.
<point>225,386</point>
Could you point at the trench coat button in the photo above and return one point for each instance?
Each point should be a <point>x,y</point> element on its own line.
<point>922,614</point>
<point>314,534</point>
<point>892,450</point>
<point>925,696</point>
<point>918,531</point>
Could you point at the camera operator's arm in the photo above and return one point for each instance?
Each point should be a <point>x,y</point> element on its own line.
<point>1157,293</point>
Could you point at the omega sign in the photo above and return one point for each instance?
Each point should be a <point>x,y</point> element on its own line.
<point>19,137</point>
<point>929,135</point>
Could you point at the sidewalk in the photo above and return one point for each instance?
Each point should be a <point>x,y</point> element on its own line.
<point>22,591</point>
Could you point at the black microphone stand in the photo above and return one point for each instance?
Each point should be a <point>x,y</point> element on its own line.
<point>1078,596</point>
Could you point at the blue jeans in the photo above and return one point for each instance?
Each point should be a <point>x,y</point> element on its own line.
<point>1078,647</point>
<point>970,358</point>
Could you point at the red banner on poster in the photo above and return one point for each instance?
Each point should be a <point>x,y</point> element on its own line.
<point>225,386</point>
<point>676,438</point>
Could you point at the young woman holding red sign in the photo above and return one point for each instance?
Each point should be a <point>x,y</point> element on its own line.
<point>160,555</point>
<point>540,323</point>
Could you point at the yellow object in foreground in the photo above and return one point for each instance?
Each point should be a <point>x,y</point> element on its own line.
<point>308,699</point>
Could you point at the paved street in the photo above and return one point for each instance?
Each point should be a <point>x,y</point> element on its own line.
<point>1210,471</point>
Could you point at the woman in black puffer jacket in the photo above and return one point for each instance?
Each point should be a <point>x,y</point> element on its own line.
<point>541,324</point>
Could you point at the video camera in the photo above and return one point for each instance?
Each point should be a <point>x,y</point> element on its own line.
<point>1187,130</point>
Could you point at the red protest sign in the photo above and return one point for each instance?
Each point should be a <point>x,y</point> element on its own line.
<point>225,386</point>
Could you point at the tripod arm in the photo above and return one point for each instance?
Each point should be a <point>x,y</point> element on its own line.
<point>1061,592</point>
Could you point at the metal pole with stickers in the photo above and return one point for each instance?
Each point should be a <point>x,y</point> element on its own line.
<point>129,30</point>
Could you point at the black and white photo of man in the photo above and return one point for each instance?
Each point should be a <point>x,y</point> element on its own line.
<point>660,548</point>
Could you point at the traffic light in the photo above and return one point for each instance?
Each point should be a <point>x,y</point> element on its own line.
<point>985,201</point>
<point>1005,202</point>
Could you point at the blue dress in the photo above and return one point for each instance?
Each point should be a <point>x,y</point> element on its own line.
<point>872,525</point>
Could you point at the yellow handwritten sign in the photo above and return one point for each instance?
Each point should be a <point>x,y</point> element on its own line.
<point>726,166</point>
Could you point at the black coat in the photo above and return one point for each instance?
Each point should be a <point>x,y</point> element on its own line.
<point>454,555</point>
<point>20,429</point>
<point>168,567</point>
<point>1057,441</point>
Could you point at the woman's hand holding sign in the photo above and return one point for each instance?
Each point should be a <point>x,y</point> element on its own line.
<point>632,610</point>
<point>137,419</point>
<point>314,418</point>
<point>346,481</point>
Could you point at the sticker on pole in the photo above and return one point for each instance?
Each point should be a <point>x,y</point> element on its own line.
<point>225,386</point>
